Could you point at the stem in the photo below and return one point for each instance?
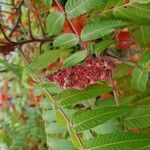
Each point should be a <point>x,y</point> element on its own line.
<point>29,22</point>
<point>3,32</point>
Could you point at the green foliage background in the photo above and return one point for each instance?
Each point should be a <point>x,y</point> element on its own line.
<point>75,119</point>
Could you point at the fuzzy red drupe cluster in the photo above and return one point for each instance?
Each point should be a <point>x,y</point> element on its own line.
<point>80,76</point>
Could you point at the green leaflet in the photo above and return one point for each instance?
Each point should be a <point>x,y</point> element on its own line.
<point>60,118</point>
<point>75,58</point>
<point>52,88</point>
<point>142,1</point>
<point>49,115</point>
<point>127,99</point>
<point>54,128</point>
<point>144,101</point>
<point>139,79</point>
<point>99,29</point>
<point>110,126</point>
<point>118,141</point>
<point>135,13</point>
<point>101,46</point>
<point>78,7</point>
<point>88,119</point>
<point>112,3</point>
<point>60,144</point>
<point>139,118</point>
<point>74,138</point>
<point>105,103</point>
<point>70,97</point>
<point>47,58</point>
<point>145,61</point>
<point>48,3</point>
<point>141,34</point>
<point>16,69</point>
<point>55,22</point>
<point>66,40</point>
<point>121,70</point>
<point>140,75</point>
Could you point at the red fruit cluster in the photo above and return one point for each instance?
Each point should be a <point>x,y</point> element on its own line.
<point>80,76</point>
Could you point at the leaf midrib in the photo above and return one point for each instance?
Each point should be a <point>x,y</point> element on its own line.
<point>56,22</point>
<point>126,141</point>
<point>77,94</point>
<point>112,27</point>
<point>137,117</point>
<point>72,9</point>
<point>97,116</point>
<point>75,38</point>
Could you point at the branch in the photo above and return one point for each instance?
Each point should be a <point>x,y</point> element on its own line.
<point>48,39</point>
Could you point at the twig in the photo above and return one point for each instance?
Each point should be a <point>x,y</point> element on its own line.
<point>3,32</point>
<point>39,19</point>
<point>15,26</point>
<point>26,41</point>
<point>48,39</point>
<point>18,10</point>
<point>29,22</point>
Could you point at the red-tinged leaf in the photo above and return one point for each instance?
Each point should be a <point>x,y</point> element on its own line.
<point>78,24</point>
<point>11,18</point>
<point>54,8</point>
<point>67,28</point>
<point>125,41</point>
<point>123,36</point>
<point>34,100</point>
<point>4,97</point>
<point>51,66</point>
<point>123,45</point>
